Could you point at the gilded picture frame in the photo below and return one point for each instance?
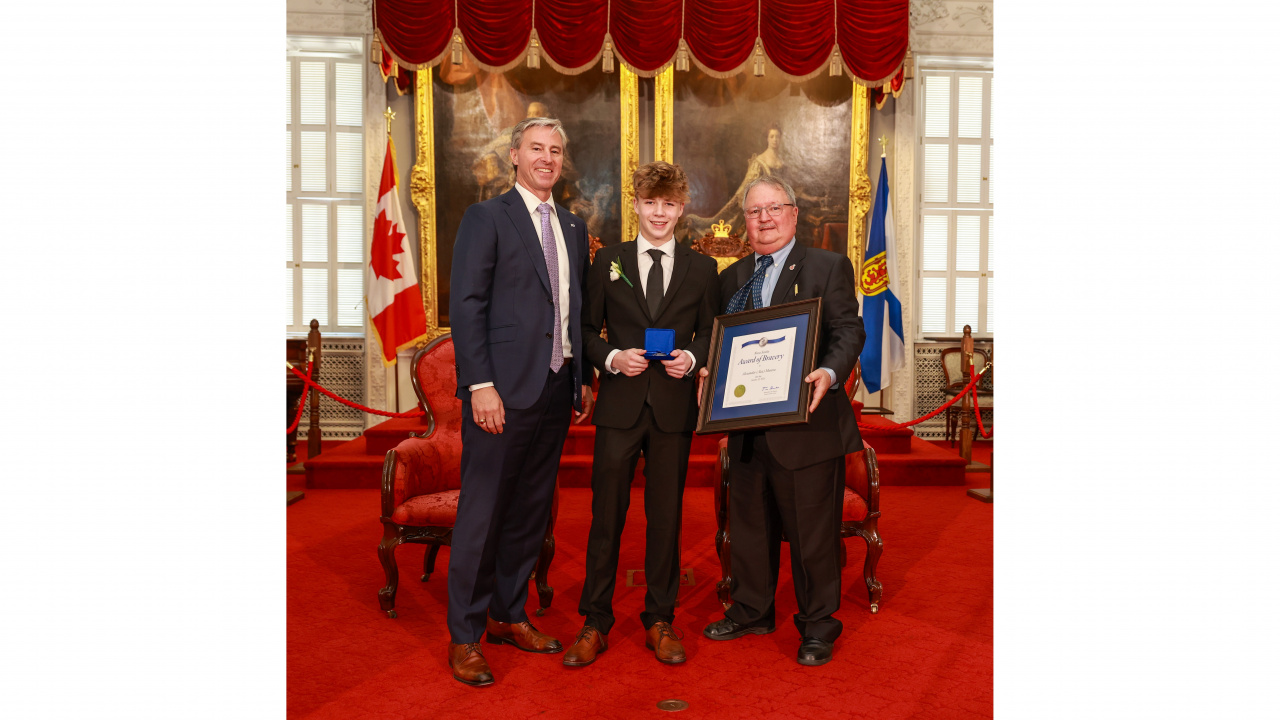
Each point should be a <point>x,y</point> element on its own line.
<point>462,119</point>
<point>707,124</point>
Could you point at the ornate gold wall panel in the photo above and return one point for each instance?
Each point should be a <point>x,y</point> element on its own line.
<point>422,189</point>
<point>629,92</point>
<point>859,182</point>
<point>662,114</point>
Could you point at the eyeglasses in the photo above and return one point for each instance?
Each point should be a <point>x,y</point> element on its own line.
<point>774,210</point>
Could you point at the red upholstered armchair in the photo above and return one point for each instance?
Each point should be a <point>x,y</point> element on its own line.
<point>422,475</point>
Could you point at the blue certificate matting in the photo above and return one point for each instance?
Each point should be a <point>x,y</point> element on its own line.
<point>718,410</point>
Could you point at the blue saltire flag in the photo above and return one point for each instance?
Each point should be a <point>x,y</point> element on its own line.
<point>881,309</point>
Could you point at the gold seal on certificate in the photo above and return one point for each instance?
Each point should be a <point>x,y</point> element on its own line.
<point>759,368</point>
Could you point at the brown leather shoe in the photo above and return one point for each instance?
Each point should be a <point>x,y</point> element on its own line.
<point>468,664</point>
<point>523,635</point>
<point>661,638</point>
<point>589,643</point>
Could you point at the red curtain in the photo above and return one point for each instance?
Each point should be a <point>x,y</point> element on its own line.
<point>415,32</point>
<point>721,33</point>
<point>645,32</point>
<point>796,35</point>
<point>571,31</point>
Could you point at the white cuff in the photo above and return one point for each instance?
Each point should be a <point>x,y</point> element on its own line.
<point>832,373</point>
<point>608,362</point>
<point>692,364</point>
<point>479,386</point>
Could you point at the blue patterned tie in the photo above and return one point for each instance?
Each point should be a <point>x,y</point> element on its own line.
<point>738,302</point>
<point>553,272</point>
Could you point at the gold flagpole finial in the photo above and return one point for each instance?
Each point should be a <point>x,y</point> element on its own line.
<point>389,115</point>
<point>884,145</point>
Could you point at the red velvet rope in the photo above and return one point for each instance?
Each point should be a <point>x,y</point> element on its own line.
<point>413,413</point>
<point>978,414</point>
<point>898,426</point>
<point>302,403</point>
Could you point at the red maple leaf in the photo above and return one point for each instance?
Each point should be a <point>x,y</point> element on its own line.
<point>386,243</point>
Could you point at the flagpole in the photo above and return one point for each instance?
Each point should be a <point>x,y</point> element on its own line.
<point>390,115</point>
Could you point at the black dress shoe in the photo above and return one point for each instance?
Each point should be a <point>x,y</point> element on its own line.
<point>814,651</point>
<point>727,629</point>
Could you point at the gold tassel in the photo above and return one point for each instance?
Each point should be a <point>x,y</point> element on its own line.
<point>908,66</point>
<point>606,60</point>
<point>535,58</point>
<point>375,52</point>
<point>836,64</point>
<point>456,56</point>
<point>682,57</point>
<point>759,65</point>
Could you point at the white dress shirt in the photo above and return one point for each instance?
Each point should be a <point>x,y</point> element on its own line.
<point>645,263</point>
<point>532,202</point>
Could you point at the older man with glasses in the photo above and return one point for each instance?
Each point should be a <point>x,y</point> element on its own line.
<point>790,478</point>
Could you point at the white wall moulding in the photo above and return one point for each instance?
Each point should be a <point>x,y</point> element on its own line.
<point>902,383</point>
<point>948,27</point>
<point>329,17</point>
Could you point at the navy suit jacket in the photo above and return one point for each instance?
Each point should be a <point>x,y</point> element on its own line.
<point>500,307</point>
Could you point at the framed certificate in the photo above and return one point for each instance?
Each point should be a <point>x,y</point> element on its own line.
<point>757,364</point>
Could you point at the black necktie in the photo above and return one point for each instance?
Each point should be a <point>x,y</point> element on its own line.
<point>653,287</point>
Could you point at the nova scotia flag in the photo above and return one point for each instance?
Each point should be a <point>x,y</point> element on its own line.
<point>877,282</point>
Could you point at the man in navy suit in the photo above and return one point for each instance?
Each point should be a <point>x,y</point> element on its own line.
<point>790,478</point>
<point>519,262</point>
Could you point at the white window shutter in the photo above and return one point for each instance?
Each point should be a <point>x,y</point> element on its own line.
<point>348,94</point>
<point>315,233</point>
<point>350,296</point>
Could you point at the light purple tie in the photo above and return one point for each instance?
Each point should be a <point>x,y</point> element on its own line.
<point>553,271</point>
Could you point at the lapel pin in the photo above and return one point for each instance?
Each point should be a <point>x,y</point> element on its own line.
<point>793,266</point>
<point>572,225</point>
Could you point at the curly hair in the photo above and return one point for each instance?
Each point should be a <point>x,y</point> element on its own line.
<point>661,180</point>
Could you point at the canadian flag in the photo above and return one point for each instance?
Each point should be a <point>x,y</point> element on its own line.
<point>391,281</point>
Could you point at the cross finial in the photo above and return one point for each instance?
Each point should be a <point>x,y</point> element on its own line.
<point>389,115</point>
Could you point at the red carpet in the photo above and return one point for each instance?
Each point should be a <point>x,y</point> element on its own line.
<point>927,654</point>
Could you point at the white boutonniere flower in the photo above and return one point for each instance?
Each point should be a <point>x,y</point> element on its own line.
<point>615,272</point>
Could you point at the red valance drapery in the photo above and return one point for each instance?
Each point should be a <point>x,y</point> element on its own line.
<point>722,37</point>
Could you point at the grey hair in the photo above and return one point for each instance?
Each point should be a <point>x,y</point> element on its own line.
<point>769,180</point>
<point>517,133</point>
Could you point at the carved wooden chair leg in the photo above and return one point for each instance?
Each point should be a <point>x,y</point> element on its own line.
<point>387,554</point>
<point>875,546</point>
<point>723,542</point>
<point>429,562</point>
<point>545,591</point>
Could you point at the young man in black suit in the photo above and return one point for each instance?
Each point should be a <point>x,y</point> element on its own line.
<point>791,478</point>
<point>644,405</point>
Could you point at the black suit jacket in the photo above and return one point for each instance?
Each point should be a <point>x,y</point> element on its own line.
<point>832,430</point>
<point>688,307</point>
<point>500,308</point>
